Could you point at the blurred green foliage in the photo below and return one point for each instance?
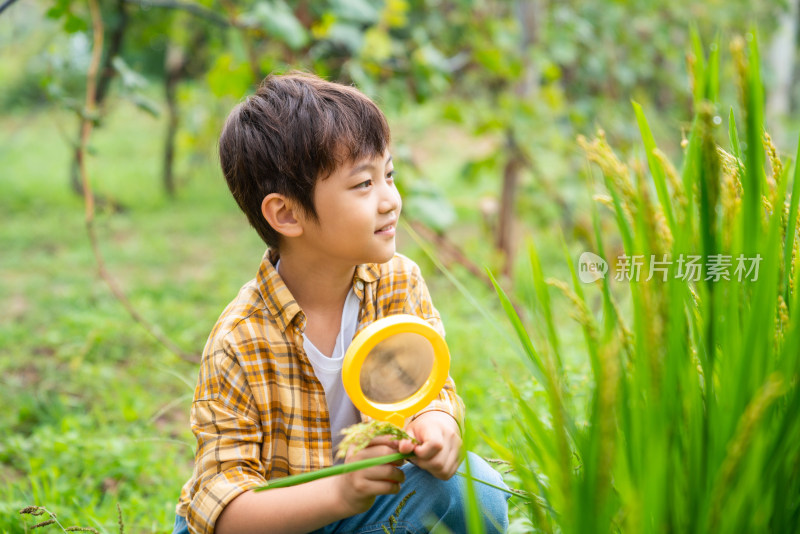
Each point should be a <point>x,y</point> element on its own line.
<point>524,76</point>
<point>468,86</point>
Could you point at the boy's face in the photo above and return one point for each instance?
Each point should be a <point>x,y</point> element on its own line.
<point>358,207</point>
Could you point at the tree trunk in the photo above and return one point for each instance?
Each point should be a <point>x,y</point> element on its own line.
<point>529,14</point>
<point>505,227</point>
<point>173,69</point>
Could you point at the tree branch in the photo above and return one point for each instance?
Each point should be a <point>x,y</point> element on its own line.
<point>451,251</point>
<point>5,5</point>
<point>86,130</point>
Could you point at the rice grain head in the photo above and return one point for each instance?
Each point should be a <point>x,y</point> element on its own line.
<point>674,180</point>
<point>739,446</point>
<point>730,192</point>
<point>775,164</point>
<point>740,65</point>
<point>599,152</point>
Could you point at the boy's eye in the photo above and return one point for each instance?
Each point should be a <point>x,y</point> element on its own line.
<point>390,176</point>
<point>363,185</point>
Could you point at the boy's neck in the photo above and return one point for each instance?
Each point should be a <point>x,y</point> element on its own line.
<point>316,286</point>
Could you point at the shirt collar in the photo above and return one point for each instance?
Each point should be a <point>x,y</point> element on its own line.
<point>279,301</point>
<point>367,272</point>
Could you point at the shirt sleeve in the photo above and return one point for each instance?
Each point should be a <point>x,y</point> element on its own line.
<point>419,303</point>
<point>229,439</point>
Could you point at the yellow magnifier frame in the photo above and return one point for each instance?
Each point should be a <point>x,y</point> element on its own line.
<point>394,412</point>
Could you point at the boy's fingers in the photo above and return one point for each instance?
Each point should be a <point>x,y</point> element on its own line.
<point>383,440</point>
<point>385,473</point>
<point>429,449</point>
<point>398,476</point>
<point>439,462</point>
<point>451,466</point>
<point>384,488</point>
<point>370,452</point>
<point>405,446</point>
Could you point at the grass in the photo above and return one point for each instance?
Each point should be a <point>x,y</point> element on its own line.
<point>690,424</point>
<point>99,411</point>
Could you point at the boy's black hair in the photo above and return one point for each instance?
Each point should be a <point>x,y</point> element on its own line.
<point>296,129</point>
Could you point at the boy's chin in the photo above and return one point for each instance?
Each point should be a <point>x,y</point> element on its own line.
<point>384,257</point>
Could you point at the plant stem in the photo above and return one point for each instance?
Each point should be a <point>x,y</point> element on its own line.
<point>341,469</point>
<point>333,470</point>
<point>498,488</point>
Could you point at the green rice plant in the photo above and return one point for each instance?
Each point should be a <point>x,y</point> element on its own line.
<point>691,421</point>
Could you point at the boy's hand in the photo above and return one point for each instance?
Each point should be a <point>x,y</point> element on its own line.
<point>359,488</point>
<point>439,450</point>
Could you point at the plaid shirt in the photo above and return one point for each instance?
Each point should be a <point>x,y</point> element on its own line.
<point>259,411</point>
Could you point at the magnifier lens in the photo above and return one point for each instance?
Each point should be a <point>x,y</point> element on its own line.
<point>396,368</point>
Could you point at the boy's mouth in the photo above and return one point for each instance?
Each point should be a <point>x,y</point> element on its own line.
<point>386,230</point>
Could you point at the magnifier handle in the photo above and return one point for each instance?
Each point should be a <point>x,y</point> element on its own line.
<point>396,419</point>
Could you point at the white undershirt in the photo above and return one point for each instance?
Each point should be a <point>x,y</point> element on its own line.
<point>329,370</point>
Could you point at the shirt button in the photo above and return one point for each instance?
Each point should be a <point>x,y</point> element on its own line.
<point>359,285</point>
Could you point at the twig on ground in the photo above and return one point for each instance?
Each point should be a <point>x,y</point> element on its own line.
<point>41,510</point>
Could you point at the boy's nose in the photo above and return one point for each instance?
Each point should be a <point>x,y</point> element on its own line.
<point>390,200</point>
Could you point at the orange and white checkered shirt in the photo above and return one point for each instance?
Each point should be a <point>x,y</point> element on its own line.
<point>259,411</point>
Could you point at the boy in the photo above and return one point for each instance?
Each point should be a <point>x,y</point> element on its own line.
<point>308,162</point>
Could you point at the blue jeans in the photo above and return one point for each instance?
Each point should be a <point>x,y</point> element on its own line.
<point>436,504</point>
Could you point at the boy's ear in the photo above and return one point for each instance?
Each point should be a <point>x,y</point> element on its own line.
<point>281,215</point>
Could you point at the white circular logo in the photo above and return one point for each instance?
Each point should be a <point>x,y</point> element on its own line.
<point>591,267</point>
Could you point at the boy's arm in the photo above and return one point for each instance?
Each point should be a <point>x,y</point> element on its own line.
<point>228,466</point>
<point>302,508</point>
<point>229,439</point>
<point>225,422</point>
<point>313,505</point>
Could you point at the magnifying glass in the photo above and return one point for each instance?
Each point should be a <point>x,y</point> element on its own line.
<point>395,367</point>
